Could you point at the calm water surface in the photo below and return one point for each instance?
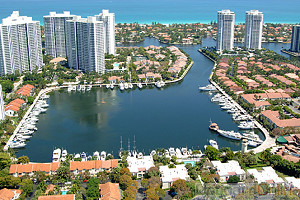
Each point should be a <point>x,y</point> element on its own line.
<point>175,116</point>
<point>163,11</point>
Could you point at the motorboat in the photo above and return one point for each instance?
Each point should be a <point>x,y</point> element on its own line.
<point>172,151</point>
<point>64,155</point>
<point>103,155</point>
<point>130,86</point>
<point>70,88</point>
<point>153,152</point>
<point>26,137</point>
<point>213,143</point>
<point>89,87</point>
<point>126,86</point>
<point>158,84</point>
<point>230,134</point>
<point>253,143</point>
<point>83,156</point>
<point>107,86</point>
<point>140,86</point>
<point>240,117</point>
<point>213,126</point>
<point>252,136</point>
<point>227,106</point>
<point>111,86</point>
<point>162,83</point>
<point>121,86</point>
<point>17,145</point>
<point>96,155</point>
<point>209,87</point>
<point>247,125</point>
<point>56,155</point>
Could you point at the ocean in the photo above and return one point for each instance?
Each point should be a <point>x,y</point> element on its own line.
<point>163,11</point>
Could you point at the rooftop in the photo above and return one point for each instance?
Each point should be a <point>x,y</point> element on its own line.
<point>266,175</point>
<point>173,174</point>
<point>232,167</point>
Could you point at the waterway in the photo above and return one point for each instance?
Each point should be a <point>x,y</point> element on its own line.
<point>175,116</point>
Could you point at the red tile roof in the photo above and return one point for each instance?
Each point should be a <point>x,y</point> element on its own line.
<point>274,117</point>
<point>58,197</point>
<point>6,194</point>
<point>33,167</point>
<point>110,191</point>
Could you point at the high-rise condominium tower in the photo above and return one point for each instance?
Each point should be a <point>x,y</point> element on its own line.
<point>109,29</point>
<point>295,44</point>
<point>225,31</point>
<point>2,112</point>
<point>55,36</point>
<point>20,44</point>
<point>253,29</point>
<point>85,44</point>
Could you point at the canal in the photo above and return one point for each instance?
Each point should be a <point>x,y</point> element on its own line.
<point>175,116</point>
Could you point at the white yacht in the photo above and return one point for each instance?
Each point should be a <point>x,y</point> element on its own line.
<point>107,86</point>
<point>64,155</point>
<point>17,145</point>
<point>158,84</point>
<point>45,96</point>
<point>227,106</point>
<point>162,83</point>
<point>246,125</point>
<point>103,155</point>
<point>83,156</point>
<point>56,155</point>
<point>96,155</point>
<point>153,152</point>
<point>213,143</point>
<point>112,86</point>
<point>172,151</point>
<point>230,134</point>
<point>70,88</point>
<point>126,86</point>
<point>140,86</point>
<point>89,87</point>
<point>253,143</point>
<point>240,117</point>
<point>252,136</point>
<point>130,86</point>
<point>26,137</point>
<point>121,86</point>
<point>209,87</point>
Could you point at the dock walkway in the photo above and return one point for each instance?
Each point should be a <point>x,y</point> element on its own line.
<point>269,141</point>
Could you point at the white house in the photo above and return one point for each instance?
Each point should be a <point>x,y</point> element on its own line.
<point>231,168</point>
<point>292,182</point>
<point>169,175</point>
<point>266,175</point>
<point>138,166</point>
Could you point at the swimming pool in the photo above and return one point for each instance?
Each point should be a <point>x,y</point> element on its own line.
<point>191,162</point>
<point>64,192</point>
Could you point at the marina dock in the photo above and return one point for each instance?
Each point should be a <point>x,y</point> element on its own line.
<point>269,141</point>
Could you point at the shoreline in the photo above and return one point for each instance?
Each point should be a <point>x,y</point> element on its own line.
<point>269,141</point>
<point>50,88</point>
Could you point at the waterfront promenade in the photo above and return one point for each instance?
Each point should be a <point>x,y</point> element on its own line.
<point>269,141</point>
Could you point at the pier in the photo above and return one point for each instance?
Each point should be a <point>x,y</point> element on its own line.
<point>269,141</point>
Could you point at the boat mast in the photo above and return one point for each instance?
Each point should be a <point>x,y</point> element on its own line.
<point>121,148</point>
<point>128,145</point>
<point>134,143</point>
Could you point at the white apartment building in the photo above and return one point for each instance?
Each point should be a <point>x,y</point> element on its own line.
<point>2,112</point>
<point>109,29</point>
<point>295,43</point>
<point>226,170</point>
<point>85,44</point>
<point>55,34</point>
<point>253,29</point>
<point>20,44</point>
<point>225,32</point>
<point>266,175</point>
<point>169,175</point>
<point>138,166</point>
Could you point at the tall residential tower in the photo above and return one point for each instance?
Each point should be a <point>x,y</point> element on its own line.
<point>55,36</point>
<point>253,29</point>
<point>295,44</point>
<point>85,44</point>
<point>109,29</point>
<point>225,31</point>
<point>20,44</point>
<point>2,112</point>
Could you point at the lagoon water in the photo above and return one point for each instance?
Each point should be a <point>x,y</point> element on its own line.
<point>175,116</point>
<point>163,11</point>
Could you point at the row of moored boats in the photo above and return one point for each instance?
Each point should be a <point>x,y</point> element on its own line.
<point>29,126</point>
<point>126,86</point>
<point>79,88</point>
